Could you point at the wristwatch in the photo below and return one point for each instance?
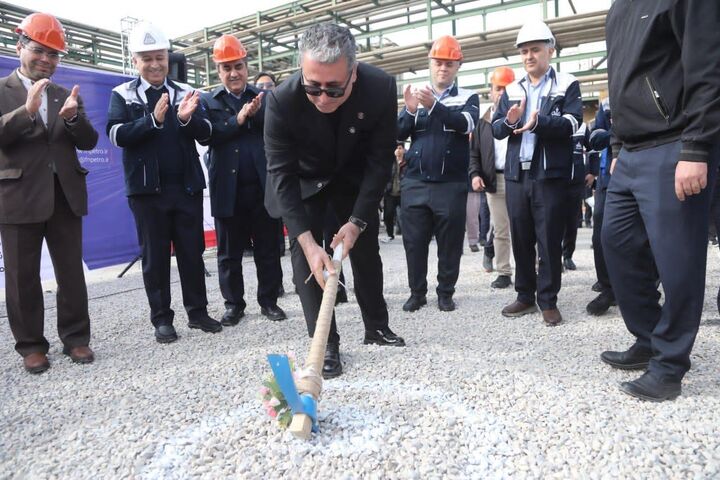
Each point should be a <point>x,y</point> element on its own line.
<point>361,224</point>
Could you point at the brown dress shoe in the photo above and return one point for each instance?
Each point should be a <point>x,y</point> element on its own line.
<point>36,362</point>
<point>518,309</point>
<point>552,317</point>
<point>80,354</point>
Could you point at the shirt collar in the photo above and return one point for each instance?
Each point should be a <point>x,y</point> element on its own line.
<point>145,85</point>
<point>25,80</point>
<point>445,93</point>
<point>236,96</point>
<point>544,78</point>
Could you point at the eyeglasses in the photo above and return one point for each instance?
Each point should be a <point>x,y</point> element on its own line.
<point>265,85</point>
<point>332,92</point>
<point>54,56</point>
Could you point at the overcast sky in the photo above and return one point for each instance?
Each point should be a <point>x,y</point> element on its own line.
<point>175,18</point>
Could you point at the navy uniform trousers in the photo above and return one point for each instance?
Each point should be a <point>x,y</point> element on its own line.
<point>644,220</point>
<point>575,192</point>
<point>175,218</point>
<point>251,220</point>
<point>598,215</point>
<point>537,209</point>
<point>433,208</point>
<point>364,259</point>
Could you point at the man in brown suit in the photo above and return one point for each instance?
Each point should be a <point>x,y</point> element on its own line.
<point>43,194</point>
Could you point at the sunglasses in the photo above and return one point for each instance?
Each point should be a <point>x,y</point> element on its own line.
<point>332,92</point>
<point>41,51</point>
<point>265,85</point>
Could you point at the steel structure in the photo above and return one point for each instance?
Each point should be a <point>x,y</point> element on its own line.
<point>271,37</point>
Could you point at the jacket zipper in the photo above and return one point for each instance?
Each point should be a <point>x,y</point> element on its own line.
<point>144,176</point>
<point>656,98</point>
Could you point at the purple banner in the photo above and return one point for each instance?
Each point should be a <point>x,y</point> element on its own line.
<point>109,234</point>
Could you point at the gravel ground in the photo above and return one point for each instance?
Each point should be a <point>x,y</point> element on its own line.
<point>472,395</point>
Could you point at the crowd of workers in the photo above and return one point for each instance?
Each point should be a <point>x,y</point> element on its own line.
<point>315,154</point>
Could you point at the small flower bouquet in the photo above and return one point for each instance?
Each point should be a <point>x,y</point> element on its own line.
<point>273,399</point>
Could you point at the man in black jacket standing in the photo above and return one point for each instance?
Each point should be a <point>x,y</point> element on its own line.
<point>329,140</point>
<point>237,171</point>
<point>156,122</point>
<point>664,67</point>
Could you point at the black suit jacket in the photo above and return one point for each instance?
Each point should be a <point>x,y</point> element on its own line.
<point>308,151</point>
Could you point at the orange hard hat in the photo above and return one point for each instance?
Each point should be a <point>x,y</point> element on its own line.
<point>44,29</point>
<point>228,49</point>
<point>446,48</point>
<point>502,76</point>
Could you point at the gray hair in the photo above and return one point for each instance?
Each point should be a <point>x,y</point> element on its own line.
<point>327,43</point>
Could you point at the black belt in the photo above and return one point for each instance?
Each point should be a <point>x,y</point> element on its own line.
<point>497,170</point>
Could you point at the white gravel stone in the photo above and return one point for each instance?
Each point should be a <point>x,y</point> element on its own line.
<point>473,394</point>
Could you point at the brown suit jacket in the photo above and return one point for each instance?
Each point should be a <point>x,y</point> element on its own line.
<point>28,150</point>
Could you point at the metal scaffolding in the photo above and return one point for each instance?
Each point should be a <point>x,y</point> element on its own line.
<point>271,36</point>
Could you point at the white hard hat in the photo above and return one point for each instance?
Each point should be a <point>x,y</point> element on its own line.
<point>147,37</point>
<point>535,31</point>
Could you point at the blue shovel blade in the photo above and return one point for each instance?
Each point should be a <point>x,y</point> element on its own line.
<point>280,365</point>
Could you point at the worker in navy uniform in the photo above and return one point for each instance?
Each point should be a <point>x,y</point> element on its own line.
<point>584,170</point>
<point>237,172</point>
<point>329,140</point>
<point>600,141</point>
<point>43,195</point>
<point>539,113</point>
<point>156,122</point>
<point>663,70</point>
<point>438,119</point>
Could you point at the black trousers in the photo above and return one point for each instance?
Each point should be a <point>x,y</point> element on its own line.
<point>22,250</point>
<point>391,204</point>
<point>643,221</point>
<point>537,216</point>
<point>433,208</point>
<point>251,220</point>
<point>573,214</point>
<point>600,266</point>
<point>364,259</point>
<point>172,218</point>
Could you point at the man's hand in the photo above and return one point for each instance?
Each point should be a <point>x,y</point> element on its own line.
<point>70,107</point>
<point>425,97</point>
<point>589,179</point>
<point>529,125</point>
<point>690,178</point>
<point>411,102</point>
<point>477,184</point>
<point>515,113</point>
<point>161,108</point>
<point>188,105</point>
<point>316,256</point>
<point>612,165</point>
<point>348,235</point>
<point>34,96</point>
<point>249,109</point>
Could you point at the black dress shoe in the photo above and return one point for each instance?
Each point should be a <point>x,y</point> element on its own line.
<point>341,296</point>
<point>332,367</point>
<point>600,304</point>
<point>384,336</point>
<point>446,304</point>
<point>634,358</point>
<point>165,334</point>
<point>205,323</point>
<point>653,389</point>
<point>414,303</point>
<point>474,248</point>
<point>273,312</point>
<point>597,287</point>
<point>569,264</point>
<point>232,316</point>
<point>502,281</point>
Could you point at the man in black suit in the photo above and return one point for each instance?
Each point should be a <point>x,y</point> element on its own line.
<point>329,141</point>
